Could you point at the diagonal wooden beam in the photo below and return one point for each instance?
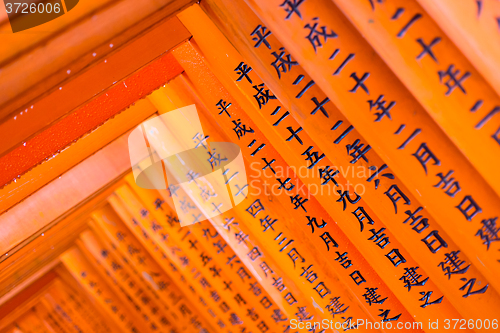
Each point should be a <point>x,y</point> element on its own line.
<point>77,40</point>
<point>44,173</point>
<point>55,201</point>
<point>68,130</point>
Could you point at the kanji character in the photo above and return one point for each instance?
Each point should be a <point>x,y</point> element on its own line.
<point>345,196</point>
<point>412,279</point>
<point>384,109</point>
<point>361,215</point>
<point>313,157</point>
<point>223,106</point>
<point>335,307</point>
<point>278,316</point>
<point>379,238</point>
<point>314,34</point>
<point>395,257</point>
<point>267,223</point>
<point>453,80</point>
<point>312,222</point>
<point>395,198</point>
<point>328,175</point>
<point>262,96</point>
<point>424,154</point>
<point>489,232</point>
<point>357,277</point>
<point>260,33</point>
<point>427,49</point>
<point>471,284</point>
<point>372,297</point>
<point>471,210</point>
<point>425,298</point>
<point>292,6</point>
<point>255,208</point>
<point>242,70</point>
<point>298,201</point>
<point>309,274</point>
<point>328,239</point>
<point>385,314</point>
<point>437,238</point>
<point>343,260</point>
<point>356,151</point>
<point>241,130</point>
<point>282,63</point>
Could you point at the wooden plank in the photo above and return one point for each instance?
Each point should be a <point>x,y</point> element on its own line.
<point>36,288</point>
<point>82,87</point>
<point>393,141</point>
<point>474,27</point>
<point>94,284</point>
<point>286,293</point>
<point>47,171</point>
<point>13,45</point>
<point>87,118</point>
<point>430,70</point>
<point>82,39</point>
<point>62,195</point>
<point>211,93</point>
<point>236,22</point>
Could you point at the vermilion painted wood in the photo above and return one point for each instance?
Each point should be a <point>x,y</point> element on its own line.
<point>57,298</point>
<point>474,27</point>
<point>61,197</point>
<point>380,135</point>
<point>175,291</point>
<point>118,280</point>
<point>72,285</point>
<point>52,140</point>
<point>172,296</point>
<point>235,18</point>
<point>211,90</point>
<point>11,45</point>
<point>76,263</point>
<point>27,293</point>
<point>95,79</point>
<point>227,273</point>
<point>179,93</point>
<point>189,270</point>
<point>80,40</point>
<point>452,112</point>
<point>39,176</point>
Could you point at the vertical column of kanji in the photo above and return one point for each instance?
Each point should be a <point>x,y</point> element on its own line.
<point>212,268</point>
<point>171,288</point>
<point>233,227</point>
<point>83,300</point>
<point>124,281</point>
<point>92,282</point>
<point>474,27</point>
<point>411,128</point>
<point>56,297</point>
<point>425,59</point>
<point>258,149</point>
<point>118,280</point>
<point>131,253</point>
<point>30,323</point>
<point>167,256</point>
<point>254,300</point>
<point>287,297</point>
<point>49,320</point>
<point>82,309</point>
<point>56,316</point>
<point>289,130</point>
